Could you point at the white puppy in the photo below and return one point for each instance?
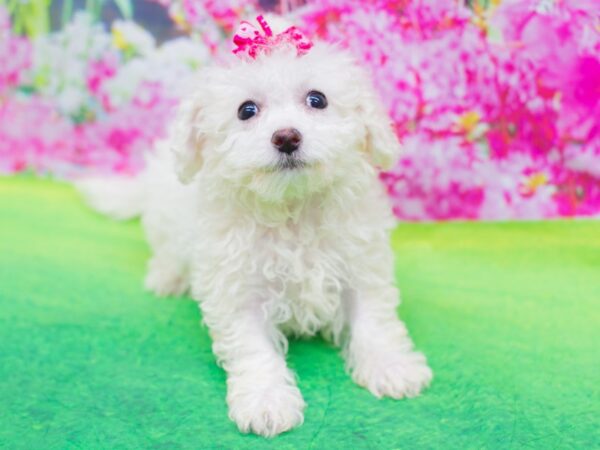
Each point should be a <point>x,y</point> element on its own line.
<point>282,227</point>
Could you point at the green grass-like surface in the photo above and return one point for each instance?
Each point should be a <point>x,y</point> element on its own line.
<point>508,315</point>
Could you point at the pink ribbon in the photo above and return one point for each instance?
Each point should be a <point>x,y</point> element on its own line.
<point>250,41</point>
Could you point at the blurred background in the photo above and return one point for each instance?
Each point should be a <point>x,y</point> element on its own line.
<point>497,102</point>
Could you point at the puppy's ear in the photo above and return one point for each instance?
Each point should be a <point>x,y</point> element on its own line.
<point>381,143</point>
<point>188,138</point>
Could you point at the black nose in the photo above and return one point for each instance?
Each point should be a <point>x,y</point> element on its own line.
<point>287,140</point>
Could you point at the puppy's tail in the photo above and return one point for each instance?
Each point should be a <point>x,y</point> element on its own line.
<point>121,198</point>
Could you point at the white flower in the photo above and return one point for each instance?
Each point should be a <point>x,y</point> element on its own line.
<point>172,65</point>
<point>61,59</point>
<point>128,35</point>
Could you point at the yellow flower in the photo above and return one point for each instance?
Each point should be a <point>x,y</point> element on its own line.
<point>119,40</point>
<point>180,21</point>
<point>537,180</point>
<point>531,185</point>
<point>468,121</point>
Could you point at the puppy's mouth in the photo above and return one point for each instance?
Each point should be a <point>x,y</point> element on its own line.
<point>289,162</point>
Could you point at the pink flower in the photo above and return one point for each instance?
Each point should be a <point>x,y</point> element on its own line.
<point>33,136</point>
<point>493,128</point>
<point>98,72</point>
<point>119,141</point>
<point>15,55</point>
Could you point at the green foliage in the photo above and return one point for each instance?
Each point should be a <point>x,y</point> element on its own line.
<point>94,7</point>
<point>125,8</point>
<point>32,17</point>
<point>483,4</point>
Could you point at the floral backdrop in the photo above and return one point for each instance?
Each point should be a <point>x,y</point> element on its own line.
<point>497,103</point>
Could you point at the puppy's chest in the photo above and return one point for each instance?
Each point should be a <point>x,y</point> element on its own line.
<point>304,271</point>
<point>293,256</point>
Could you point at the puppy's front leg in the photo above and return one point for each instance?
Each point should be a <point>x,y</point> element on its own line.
<point>261,391</point>
<point>379,353</point>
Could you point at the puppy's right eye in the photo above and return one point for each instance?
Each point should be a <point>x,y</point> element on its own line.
<point>247,110</point>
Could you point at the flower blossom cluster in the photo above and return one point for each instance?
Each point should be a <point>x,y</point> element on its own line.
<point>15,55</point>
<point>86,99</point>
<point>498,109</point>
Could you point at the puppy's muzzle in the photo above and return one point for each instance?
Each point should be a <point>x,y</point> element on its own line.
<point>286,140</point>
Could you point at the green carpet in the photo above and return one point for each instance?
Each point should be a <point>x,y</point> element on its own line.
<point>508,315</point>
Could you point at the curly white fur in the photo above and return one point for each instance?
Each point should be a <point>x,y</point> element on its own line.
<point>273,252</point>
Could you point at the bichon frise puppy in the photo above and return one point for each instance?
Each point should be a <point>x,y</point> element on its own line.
<point>281,224</point>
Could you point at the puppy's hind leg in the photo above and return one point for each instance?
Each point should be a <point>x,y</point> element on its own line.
<point>167,275</point>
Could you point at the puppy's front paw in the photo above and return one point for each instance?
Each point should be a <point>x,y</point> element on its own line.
<point>392,374</point>
<point>267,411</point>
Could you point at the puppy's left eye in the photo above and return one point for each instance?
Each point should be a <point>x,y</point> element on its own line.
<point>316,99</point>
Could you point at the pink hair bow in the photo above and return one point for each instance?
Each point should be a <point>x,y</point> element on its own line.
<point>250,41</point>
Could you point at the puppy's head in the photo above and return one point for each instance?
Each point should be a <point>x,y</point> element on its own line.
<point>284,126</point>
